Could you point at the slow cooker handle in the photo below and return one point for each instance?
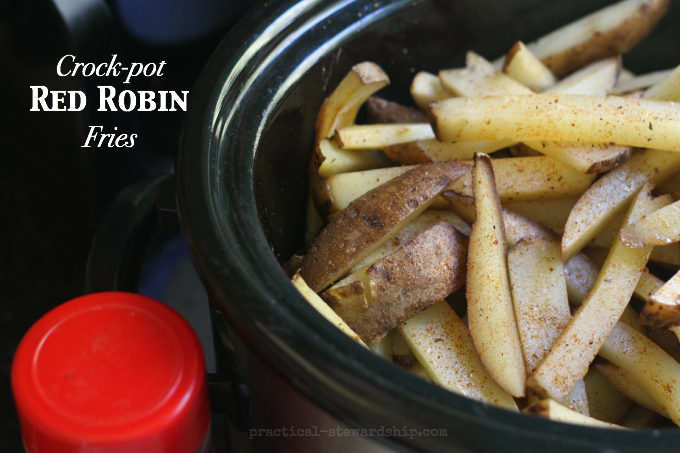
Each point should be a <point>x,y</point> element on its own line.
<point>115,263</point>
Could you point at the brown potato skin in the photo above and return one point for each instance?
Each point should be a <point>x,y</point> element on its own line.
<point>369,218</point>
<point>407,154</point>
<point>617,40</point>
<point>416,276</point>
<point>382,111</point>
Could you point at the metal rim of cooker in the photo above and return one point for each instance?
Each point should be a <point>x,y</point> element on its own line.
<point>221,225</point>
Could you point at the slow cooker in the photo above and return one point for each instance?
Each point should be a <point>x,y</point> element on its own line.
<point>297,383</point>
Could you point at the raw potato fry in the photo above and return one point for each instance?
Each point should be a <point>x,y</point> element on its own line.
<point>399,286</point>
<point>639,417</point>
<point>401,352</point>
<point>377,136</point>
<point>490,312</point>
<point>607,32</point>
<point>373,219</point>
<point>321,306</point>
<point>539,295</point>
<point>382,346</point>
<point>423,222</point>
<point>663,307</point>
<point>612,194</point>
<point>552,213</point>
<point>649,365</point>
<point>666,89</point>
<point>577,400</point>
<point>379,111</point>
<point>554,411</point>
<point>479,78</point>
<point>425,88</point>
<point>630,318</point>
<point>608,236</point>
<point>640,82</point>
<point>341,107</point>
<point>443,345</point>
<point>423,151</point>
<point>559,117</point>
<point>579,342</point>
<point>335,193</point>
<point>530,179</point>
<point>336,160</point>
<point>420,371</point>
<point>524,67</point>
<point>596,78</point>
<point>661,227</point>
<point>624,383</point>
<point>605,403</point>
<point>584,158</point>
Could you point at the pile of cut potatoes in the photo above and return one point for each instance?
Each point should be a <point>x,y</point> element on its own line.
<point>491,239</point>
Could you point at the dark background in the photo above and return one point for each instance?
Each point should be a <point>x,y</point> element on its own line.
<point>53,193</point>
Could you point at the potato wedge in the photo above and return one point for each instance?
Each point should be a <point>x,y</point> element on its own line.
<point>426,87</point>
<point>612,30</point>
<point>479,78</point>
<point>422,272</point>
<point>577,346</point>
<point>443,345</point>
<point>577,400</point>
<point>555,411</point>
<point>521,65</point>
<point>649,366</point>
<point>666,89</point>
<point>539,295</point>
<point>552,213</point>
<point>605,403</point>
<point>640,417</point>
<point>378,136</point>
<point>661,227</point>
<point>624,383</point>
<point>490,311</point>
<point>382,346</point>
<point>596,78</point>
<point>530,179</point>
<point>640,82</point>
<point>401,352</point>
<point>382,111</point>
<point>559,117</point>
<point>611,194</point>
<point>373,219</point>
<point>423,151</point>
<point>323,308</point>
<point>663,306</point>
<point>592,158</point>
<point>335,160</point>
<point>423,222</point>
<point>341,107</point>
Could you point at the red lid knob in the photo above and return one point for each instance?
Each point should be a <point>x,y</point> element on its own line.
<point>111,372</point>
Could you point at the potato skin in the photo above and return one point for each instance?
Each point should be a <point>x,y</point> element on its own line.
<point>369,218</point>
<point>382,111</point>
<point>416,276</point>
<point>611,43</point>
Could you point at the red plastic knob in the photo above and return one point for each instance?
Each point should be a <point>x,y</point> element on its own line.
<point>111,372</point>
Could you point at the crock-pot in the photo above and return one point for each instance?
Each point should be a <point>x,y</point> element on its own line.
<point>241,184</point>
